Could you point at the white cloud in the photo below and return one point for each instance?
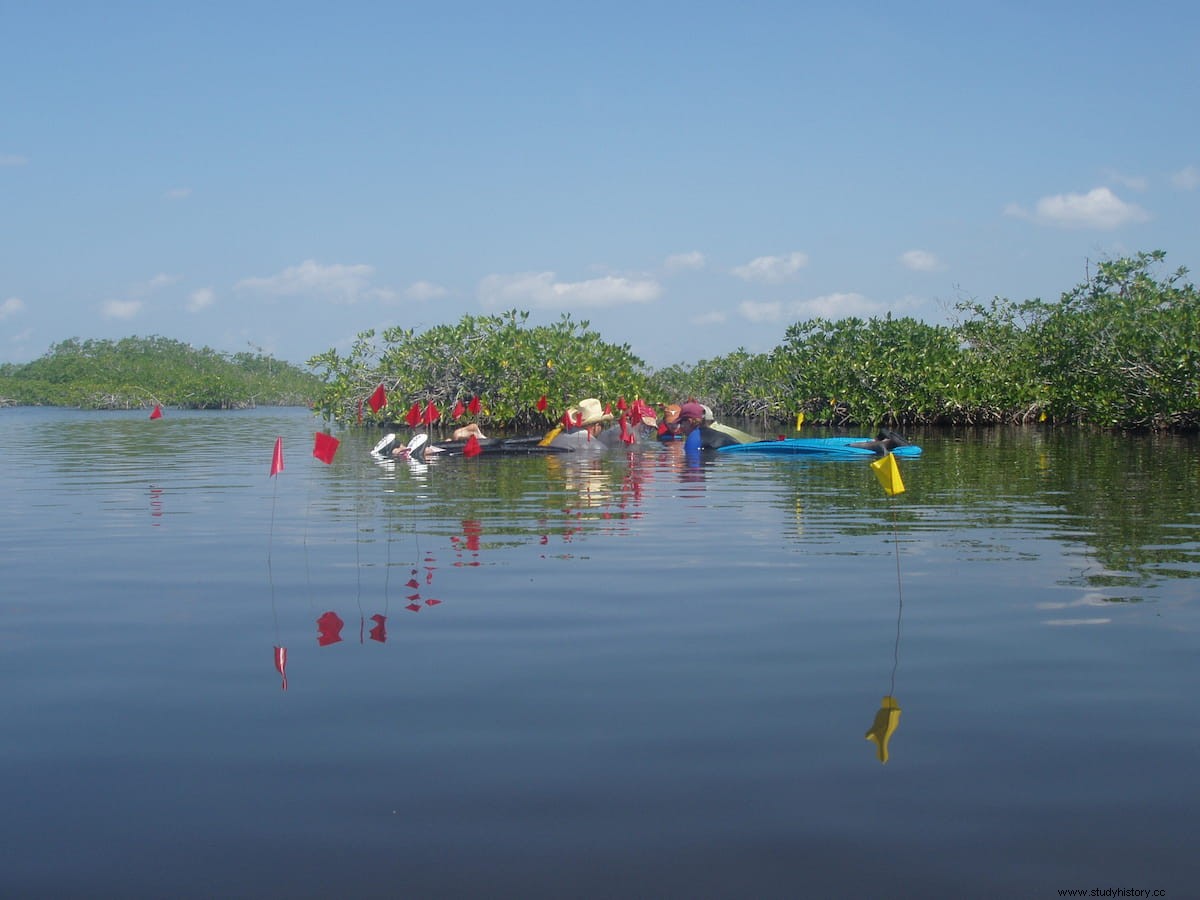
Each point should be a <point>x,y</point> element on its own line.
<point>179,193</point>
<point>542,290</point>
<point>1091,598</point>
<point>12,159</point>
<point>338,283</point>
<point>1187,178</point>
<point>1075,622</point>
<point>920,261</point>
<point>150,286</point>
<point>423,291</point>
<point>839,306</point>
<point>679,262</point>
<point>121,309</point>
<point>11,307</point>
<point>1133,182</point>
<point>200,300</point>
<point>757,311</point>
<point>709,318</point>
<point>1098,208</point>
<point>828,306</point>
<point>772,269</point>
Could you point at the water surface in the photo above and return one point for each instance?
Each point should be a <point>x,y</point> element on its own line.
<point>624,675</point>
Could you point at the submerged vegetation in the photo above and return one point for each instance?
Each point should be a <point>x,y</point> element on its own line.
<point>139,372</point>
<point>1121,350</point>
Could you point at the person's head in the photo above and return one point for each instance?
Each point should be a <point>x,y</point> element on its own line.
<point>691,416</point>
<point>413,450</point>
<point>589,415</point>
<point>670,420</point>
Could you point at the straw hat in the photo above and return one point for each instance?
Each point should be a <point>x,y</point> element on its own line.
<point>589,412</point>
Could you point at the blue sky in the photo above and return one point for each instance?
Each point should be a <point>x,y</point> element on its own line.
<point>691,178</point>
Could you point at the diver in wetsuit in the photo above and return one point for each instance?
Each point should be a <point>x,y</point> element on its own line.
<point>885,442</point>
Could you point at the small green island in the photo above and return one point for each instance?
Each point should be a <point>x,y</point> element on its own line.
<point>143,372</point>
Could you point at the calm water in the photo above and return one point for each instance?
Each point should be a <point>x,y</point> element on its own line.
<point>617,676</point>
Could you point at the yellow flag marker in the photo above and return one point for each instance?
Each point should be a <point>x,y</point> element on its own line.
<point>887,719</point>
<point>888,474</point>
<point>799,421</point>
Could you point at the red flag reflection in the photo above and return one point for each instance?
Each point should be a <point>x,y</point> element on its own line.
<point>329,629</point>
<point>281,665</point>
<point>379,629</point>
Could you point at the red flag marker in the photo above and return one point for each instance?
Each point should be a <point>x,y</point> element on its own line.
<point>541,404</point>
<point>459,409</point>
<point>471,447</point>
<point>474,406</point>
<point>277,458</point>
<point>324,447</point>
<point>621,404</point>
<point>431,414</point>
<point>156,413</point>
<point>414,415</point>
<point>281,665</point>
<point>378,399</point>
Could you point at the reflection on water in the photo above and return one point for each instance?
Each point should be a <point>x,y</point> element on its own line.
<point>887,720</point>
<point>641,672</point>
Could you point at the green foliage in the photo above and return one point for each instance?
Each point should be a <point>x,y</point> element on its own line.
<point>1120,350</point>
<point>136,372</point>
<point>896,371</point>
<point>742,384</point>
<point>498,358</point>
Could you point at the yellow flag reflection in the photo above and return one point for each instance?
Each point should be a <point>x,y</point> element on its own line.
<point>884,726</point>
